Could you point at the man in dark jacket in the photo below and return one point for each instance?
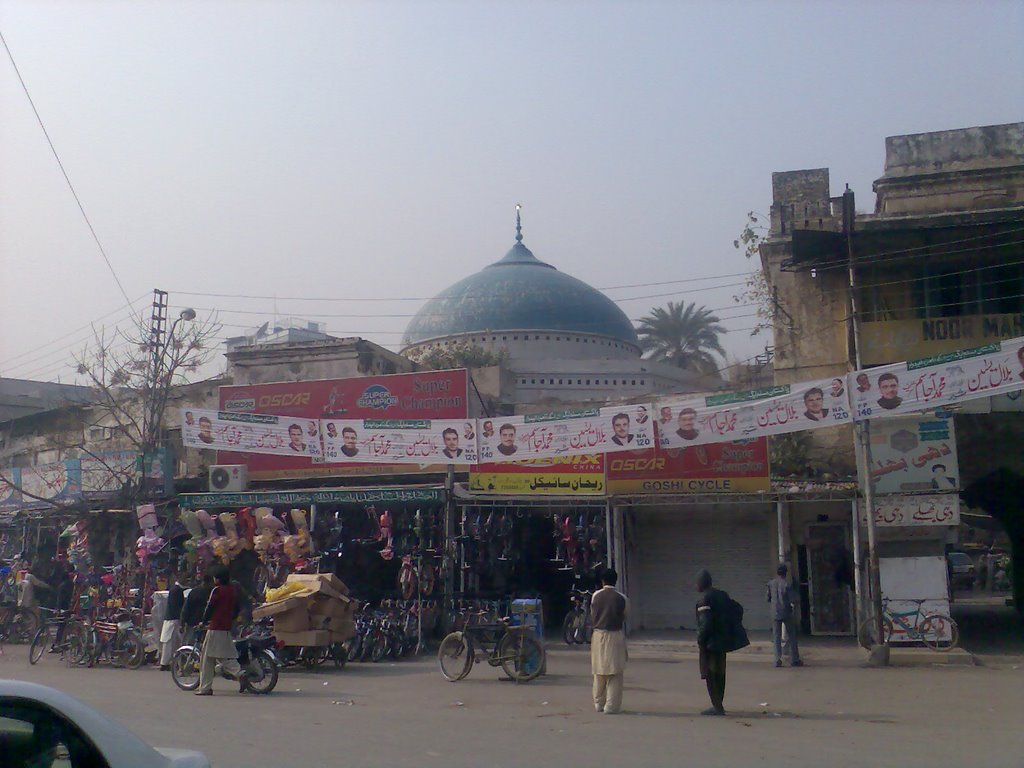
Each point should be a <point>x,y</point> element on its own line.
<point>195,604</point>
<point>711,640</point>
<point>65,596</point>
<point>170,631</point>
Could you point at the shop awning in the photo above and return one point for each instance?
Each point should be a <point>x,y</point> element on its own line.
<point>305,497</point>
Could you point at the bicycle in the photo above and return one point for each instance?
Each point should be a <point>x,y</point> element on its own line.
<point>515,649</point>
<point>576,628</point>
<point>118,642</point>
<point>62,624</point>
<point>18,625</point>
<point>937,632</point>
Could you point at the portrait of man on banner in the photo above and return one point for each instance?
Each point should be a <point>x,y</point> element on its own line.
<point>889,388</point>
<point>620,426</point>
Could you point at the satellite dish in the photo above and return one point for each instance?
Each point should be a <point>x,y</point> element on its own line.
<point>262,331</point>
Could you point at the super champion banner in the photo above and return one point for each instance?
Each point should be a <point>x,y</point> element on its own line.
<point>566,433</point>
<point>730,416</point>
<point>933,382</point>
<point>400,441</point>
<point>251,433</point>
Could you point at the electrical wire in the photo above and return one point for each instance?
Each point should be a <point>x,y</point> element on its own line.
<point>60,164</point>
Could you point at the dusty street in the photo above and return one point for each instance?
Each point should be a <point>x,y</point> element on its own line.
<point>831,712</point>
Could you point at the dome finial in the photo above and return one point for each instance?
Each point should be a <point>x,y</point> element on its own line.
<point>519,224</point>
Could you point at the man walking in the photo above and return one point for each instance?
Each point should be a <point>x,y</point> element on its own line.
<point>712,640</point>
<point>218,645</point>
<point>170,630</point>
<point>780,596</point>
<point>608,646</point>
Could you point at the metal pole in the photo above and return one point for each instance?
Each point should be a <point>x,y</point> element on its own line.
<point>609,554</point>
<point>780,514</point>
<point>447,564</point>
<point>858,587</point>
<point>862,429</point>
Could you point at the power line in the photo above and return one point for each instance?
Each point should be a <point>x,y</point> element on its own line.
<point>87,326</point>
<point>67,178</point>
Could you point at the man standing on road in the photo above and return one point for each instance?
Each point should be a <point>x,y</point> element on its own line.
<point>27,592</point>
<point>608,646</point>
<point>195,604</point>
<point>219,645</point>
<point>170,630</point>
<point>780,595</point>
<point>711,641</point>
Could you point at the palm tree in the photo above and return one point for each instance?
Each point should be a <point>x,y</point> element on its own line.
<point>683,335</point>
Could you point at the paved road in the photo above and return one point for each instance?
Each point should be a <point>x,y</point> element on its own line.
<point>405,714</point>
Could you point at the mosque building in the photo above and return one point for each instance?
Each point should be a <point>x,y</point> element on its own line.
<point>563,340</point>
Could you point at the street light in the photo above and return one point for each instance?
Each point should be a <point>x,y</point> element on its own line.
<point>187,314</point>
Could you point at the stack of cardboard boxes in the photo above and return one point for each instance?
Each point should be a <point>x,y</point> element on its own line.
<point>321,614</point>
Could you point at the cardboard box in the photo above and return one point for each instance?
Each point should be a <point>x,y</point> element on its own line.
<point>295,620</point>
<point>343,633</point>
<point>308,638</point>
<point>281,606</point>
<point>326,606</point>
<point>332,581</point>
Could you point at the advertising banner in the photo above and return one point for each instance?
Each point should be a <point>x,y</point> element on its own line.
<point>396,441</point>
<point>734,467</point>
<point>422,395</point>
<point>685,422</point>
<point>914,453</point>
<point>932,382</point>
<point>566,433</point>
<point>559,476</point>
<point>250,433</point>
<point>908,511</point>
<point>64,482</point>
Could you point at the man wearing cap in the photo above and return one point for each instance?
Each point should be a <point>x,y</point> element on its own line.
<point>780,597</point>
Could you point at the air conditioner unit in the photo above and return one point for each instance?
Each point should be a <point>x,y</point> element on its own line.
<point>229,477</point>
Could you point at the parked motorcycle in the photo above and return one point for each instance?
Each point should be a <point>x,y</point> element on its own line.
<point>256,655</point>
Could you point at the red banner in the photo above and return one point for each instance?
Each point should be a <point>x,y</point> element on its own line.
<point>422,395</point>
<point>740,467</point>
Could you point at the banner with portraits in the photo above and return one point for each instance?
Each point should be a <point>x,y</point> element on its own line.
<point>566,433</point>
<point>400,441</point>
<point>934,382</point>
<point>755,413</point>
<point>250,433</point>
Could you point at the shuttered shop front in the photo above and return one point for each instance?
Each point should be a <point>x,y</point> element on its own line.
<point>669,545</point>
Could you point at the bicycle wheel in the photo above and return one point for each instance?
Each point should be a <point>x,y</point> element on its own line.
<point>339,652</point>
<point>78,649</point>
<point>42,641</point>
<point>934,627</point>
<point>867,634</point>
<point>23,627</point>
<point>185,668</point>
<point>522,655</point>
<point>381,648</point>
<point>569,626</point>
<point>133,649</point>
<point>455,657</point>
<point>355,647</point>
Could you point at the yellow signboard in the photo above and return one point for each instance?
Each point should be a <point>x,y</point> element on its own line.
<point>563,476</point>
<point>890,341</point>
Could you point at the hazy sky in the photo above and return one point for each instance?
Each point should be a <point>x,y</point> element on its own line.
<point>349,149</point>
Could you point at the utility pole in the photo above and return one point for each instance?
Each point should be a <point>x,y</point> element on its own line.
<point>150,425</point>
<point>862,431</point>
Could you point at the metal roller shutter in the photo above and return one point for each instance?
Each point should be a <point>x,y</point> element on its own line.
<point>671,545</point>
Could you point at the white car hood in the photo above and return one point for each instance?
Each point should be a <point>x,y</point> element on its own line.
<point>183,758</point>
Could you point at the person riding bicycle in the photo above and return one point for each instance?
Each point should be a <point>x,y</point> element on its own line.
<point>65,594</point>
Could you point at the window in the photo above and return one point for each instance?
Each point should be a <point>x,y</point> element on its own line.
<point>560,381</point>
<point>534,381</point>
<point>633,383</point>
<point>588,384</point>
<point>32,734</point>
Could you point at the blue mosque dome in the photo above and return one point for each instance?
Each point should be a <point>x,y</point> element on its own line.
<point>519,292</point>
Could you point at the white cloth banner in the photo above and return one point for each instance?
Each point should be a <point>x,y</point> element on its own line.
<point>567,433</point>
<point>933,382</point>
<point>741,415</point>
<point>413,441</point>
<point>250,433</point>
<point>912,511</point>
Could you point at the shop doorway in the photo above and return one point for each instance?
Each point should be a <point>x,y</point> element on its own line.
<point>829,575</point>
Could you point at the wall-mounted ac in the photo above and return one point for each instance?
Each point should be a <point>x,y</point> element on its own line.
<point>229,477</point>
